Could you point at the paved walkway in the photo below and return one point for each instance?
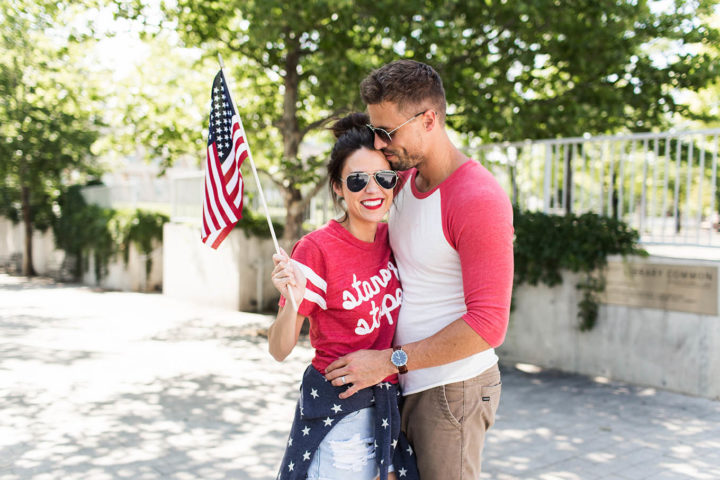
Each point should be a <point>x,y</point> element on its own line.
<point>116,385</point>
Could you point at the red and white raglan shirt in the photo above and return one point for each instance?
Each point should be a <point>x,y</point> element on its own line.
<point>352,294</point>
<point>454,251</point>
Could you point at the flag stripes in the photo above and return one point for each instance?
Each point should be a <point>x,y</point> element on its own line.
<point>226,152</point>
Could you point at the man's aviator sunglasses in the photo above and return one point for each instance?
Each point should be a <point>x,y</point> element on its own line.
<point>357,181</point>
<point>386,136</point>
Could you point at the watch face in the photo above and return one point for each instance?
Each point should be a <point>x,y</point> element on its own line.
<point>399,358</point>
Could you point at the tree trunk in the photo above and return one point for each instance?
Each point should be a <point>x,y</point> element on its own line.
<point>28,269</point>
<point>293,218</point>
<point>292,136</point>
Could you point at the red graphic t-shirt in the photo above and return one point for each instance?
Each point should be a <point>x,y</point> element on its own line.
<point>352,295</point>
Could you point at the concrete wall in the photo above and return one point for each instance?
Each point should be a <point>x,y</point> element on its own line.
<point>659,348</point>
<point>48,261</point>
<point>130,277</point>
<point>235,276</point>
<point>666,349</point>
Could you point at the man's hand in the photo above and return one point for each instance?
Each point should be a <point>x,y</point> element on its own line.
<point>362,369</point>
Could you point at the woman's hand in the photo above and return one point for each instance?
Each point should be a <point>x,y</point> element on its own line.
<point>284,332</point>
<point>286,273</point>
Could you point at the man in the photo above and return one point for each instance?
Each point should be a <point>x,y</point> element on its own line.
<point>451,233</point>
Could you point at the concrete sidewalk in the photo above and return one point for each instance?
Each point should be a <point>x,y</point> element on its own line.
<point>109,385</point>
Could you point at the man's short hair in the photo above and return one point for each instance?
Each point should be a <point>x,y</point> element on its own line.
<point>408,84</point>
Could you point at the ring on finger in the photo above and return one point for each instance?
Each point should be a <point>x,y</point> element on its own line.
<point>342,379</point>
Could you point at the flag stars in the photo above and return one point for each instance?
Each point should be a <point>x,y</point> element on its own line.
<point>290,442</point>
<point>394,443</point>
<point>336,408</point>
<point>385,423</point>
<point>402,472</point>
<point>291,466</point>
<point>328,421</point>
<point>306,456</point>
<point>410,450</point>
<point>306,431</point>
<point>314,393</point>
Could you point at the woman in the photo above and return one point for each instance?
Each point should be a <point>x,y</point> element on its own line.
<point>344,280</point>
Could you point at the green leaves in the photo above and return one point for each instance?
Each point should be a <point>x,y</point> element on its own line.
<point>512,70</point>
<point>541,68</point>
<point>545,245</point>
<point>82,230</point>
<point>48,118</point>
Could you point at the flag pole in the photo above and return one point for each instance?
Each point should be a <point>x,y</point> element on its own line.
<point>257,182</point>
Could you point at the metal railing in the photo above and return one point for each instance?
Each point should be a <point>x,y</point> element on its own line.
<point>147,194</point>
<point>665,185</point>
<point>187,191</point>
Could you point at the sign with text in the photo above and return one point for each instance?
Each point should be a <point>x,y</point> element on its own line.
<point>682,288</point>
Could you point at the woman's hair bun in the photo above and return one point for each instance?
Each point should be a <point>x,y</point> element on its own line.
<point>349,122</point>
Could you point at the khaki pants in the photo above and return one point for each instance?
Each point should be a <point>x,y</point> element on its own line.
<point>446,425</point>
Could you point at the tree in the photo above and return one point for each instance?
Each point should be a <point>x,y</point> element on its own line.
<point>46,127</point>
<point>704,103</point>
<point>298,65</point>
<point>537,69</point>
<point>512,70</point>
<point>158,104</point>
<point>546,68</point>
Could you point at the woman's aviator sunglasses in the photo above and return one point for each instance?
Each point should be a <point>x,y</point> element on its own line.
<point>357,181</point>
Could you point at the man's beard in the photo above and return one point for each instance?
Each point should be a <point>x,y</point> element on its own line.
<point>403,160</point>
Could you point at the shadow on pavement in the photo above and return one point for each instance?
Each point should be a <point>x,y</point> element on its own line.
<point>156,429</point>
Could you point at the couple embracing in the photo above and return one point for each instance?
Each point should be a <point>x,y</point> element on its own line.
<point>404,315</point>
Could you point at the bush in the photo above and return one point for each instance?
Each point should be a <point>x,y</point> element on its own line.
<point>81,229</point>
<point>547,244</point>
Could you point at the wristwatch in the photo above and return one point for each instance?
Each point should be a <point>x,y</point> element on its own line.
<point>399,358</point>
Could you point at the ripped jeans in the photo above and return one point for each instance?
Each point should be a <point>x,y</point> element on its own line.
<point>348,450</point>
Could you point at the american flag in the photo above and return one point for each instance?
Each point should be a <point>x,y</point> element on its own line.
<point>226,151</point>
